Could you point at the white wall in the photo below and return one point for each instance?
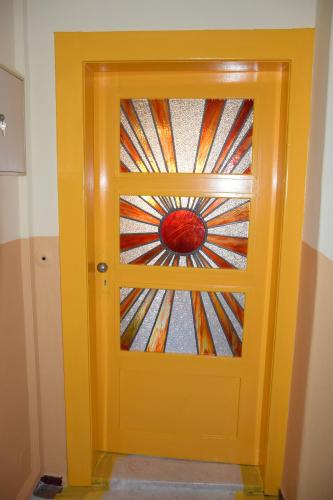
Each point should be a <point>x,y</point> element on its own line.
<point>14,190</point>
<point>9,186</point>
<point>318,231</point>
<point>44,17</point>
<point>7,47</point>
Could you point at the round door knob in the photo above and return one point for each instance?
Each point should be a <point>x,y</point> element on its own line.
<point>102,267</point>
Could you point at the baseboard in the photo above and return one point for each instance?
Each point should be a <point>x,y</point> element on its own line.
<point>28,486</point>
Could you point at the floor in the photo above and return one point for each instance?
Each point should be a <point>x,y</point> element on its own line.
<point>130,477</point>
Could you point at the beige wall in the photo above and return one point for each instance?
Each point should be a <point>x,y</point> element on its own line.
<point>16,446</point>
<point>36,430</point>
<point>316,460</point>
<point>32,420</point>
<point>19,430</point>
<point>46,293</point>
<point>309,452</point>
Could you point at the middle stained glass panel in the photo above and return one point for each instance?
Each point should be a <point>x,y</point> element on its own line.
<point>207,232</point>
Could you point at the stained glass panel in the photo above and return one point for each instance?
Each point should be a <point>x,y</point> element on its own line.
<point>180,321</point>
<point>186,136</point>
<point>184,231</point>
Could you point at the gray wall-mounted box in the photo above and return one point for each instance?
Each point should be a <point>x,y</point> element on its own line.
<point>12,137</point>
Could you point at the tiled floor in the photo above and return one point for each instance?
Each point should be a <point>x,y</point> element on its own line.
<point>129,477</point>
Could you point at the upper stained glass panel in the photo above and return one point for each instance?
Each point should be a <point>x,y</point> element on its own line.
<point>212,136</point>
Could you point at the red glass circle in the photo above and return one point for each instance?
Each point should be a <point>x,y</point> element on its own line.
<point>183,231</point>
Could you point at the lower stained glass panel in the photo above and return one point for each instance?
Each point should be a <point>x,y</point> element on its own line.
<point>184,231</point>
<point>180,321</point>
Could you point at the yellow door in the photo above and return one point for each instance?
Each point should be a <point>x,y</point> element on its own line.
<point>185,163</point>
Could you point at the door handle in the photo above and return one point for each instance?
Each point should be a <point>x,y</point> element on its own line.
<point>102,267</point>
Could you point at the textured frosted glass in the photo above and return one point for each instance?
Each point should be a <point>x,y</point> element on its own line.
<point>186,136</point>
<point>184,231</point>
<point>180,321</point>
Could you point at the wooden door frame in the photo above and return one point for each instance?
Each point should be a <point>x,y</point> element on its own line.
<point>75,53</point>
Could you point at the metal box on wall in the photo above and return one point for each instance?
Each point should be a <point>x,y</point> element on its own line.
<point>12,136</point>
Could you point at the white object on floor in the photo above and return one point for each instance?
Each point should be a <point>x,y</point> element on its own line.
<point>163,494</point>
<point>147,473</point>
